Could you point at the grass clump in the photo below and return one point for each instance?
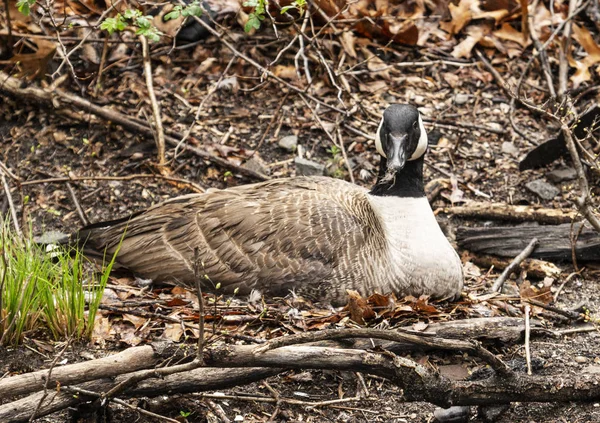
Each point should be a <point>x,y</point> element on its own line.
<point>41,292</point>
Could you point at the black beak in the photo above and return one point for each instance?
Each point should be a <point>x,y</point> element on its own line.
<point>396,154</point>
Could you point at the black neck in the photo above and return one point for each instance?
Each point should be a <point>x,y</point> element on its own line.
<point>406,183</point>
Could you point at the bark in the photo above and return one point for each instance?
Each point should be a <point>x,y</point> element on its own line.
<point>511,213</point>
<point>554,241</point>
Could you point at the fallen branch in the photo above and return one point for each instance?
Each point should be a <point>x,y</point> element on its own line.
<point>159,135</point>
<point>512,267</point>
<point>512,213</point>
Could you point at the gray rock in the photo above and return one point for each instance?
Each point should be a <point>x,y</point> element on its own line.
<point>563,174</point>
<point>256,164</point>
<point>461,99</point>
<point>289,143</point>
<point>510,148</point>
<point>456,414</point>
<point>305,167</point>
<point>543,189</point>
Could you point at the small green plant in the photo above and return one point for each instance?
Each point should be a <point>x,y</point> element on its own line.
<point>25,6</point>
<point>41,291</point>
<point>334,150</point>
<point>192,9</point>
<point>260,10</point>
<point>134,18</point>
<point>184,413</point>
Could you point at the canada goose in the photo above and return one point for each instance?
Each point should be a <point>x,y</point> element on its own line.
<point>315,235</point>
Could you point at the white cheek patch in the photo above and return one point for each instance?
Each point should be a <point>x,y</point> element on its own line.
<point>378,144</point>
<point>422,145</point>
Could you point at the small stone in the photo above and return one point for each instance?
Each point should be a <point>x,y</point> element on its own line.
<point>289,143</point>
<point>456,414</point>
<point>581,359</point>
<point>510,148</point>
<point>461,99</point>
<point>256,164</point>
<point>305,167</point>
<point>543,189</point>
<point>562,174</point>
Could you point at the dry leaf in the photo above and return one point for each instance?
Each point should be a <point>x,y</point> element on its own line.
<point>35,64</point>
<point>507,32</point>
<point>461,16</point>
<point>358,307</point>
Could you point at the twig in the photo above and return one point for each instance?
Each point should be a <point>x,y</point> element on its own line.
<point>67,179</point>
<point>210,93</point>
<point>159,135</point>
<point>565,46</point>
<point>199,353</point>
<point>541,51</point>
<point>80,212</point>
<point>217,410</point>
<point>415,338</point>
<point>291,401</point>
<point>571,315</point>
<point>527,336</point>
<point>514,265</point>
<point>11,205</point>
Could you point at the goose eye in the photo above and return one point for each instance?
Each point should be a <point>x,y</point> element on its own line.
<point>415,125</point>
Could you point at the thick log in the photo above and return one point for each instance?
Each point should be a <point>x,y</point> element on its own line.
<point>554,241</point>
<point>130,360</point>
<point>511,213</point>
<point>197,380</point>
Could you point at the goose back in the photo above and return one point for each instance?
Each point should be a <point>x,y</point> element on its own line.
<point>315,234</point>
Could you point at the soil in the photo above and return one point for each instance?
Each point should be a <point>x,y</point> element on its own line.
<point>36,143</point>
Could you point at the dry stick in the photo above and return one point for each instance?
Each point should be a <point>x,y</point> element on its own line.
<point>159,135</point>
<point>11,205</point>
<point>565,46</point>
<point>80,212</point>
<point>415,338</point>
<point>514,265</point>
<point>199,353</point>
<point>67,179</point>
<point>284,400</point>
<point>13,86</point>
<point>204,100</point>
<point>217,410</point>
<point>571,315</point>
<point>527,336</point>
<point>543,54</point>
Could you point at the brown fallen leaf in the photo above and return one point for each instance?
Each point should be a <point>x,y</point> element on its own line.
<point>461,16</point>
<point>34,64</point>
<point>358,308</point>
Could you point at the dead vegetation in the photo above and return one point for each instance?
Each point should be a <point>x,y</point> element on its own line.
<point>97,126</point>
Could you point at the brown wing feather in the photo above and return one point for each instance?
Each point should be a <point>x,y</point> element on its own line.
<point>274,236</point>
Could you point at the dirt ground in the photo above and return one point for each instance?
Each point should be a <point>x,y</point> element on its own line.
<point>36,143</point>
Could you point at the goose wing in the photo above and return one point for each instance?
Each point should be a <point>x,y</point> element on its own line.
<point>272,236</point>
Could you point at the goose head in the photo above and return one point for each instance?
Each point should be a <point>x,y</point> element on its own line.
<point>401,136</point>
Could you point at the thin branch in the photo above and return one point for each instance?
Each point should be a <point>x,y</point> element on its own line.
<point>514,265</point>
<point>159,135</point>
